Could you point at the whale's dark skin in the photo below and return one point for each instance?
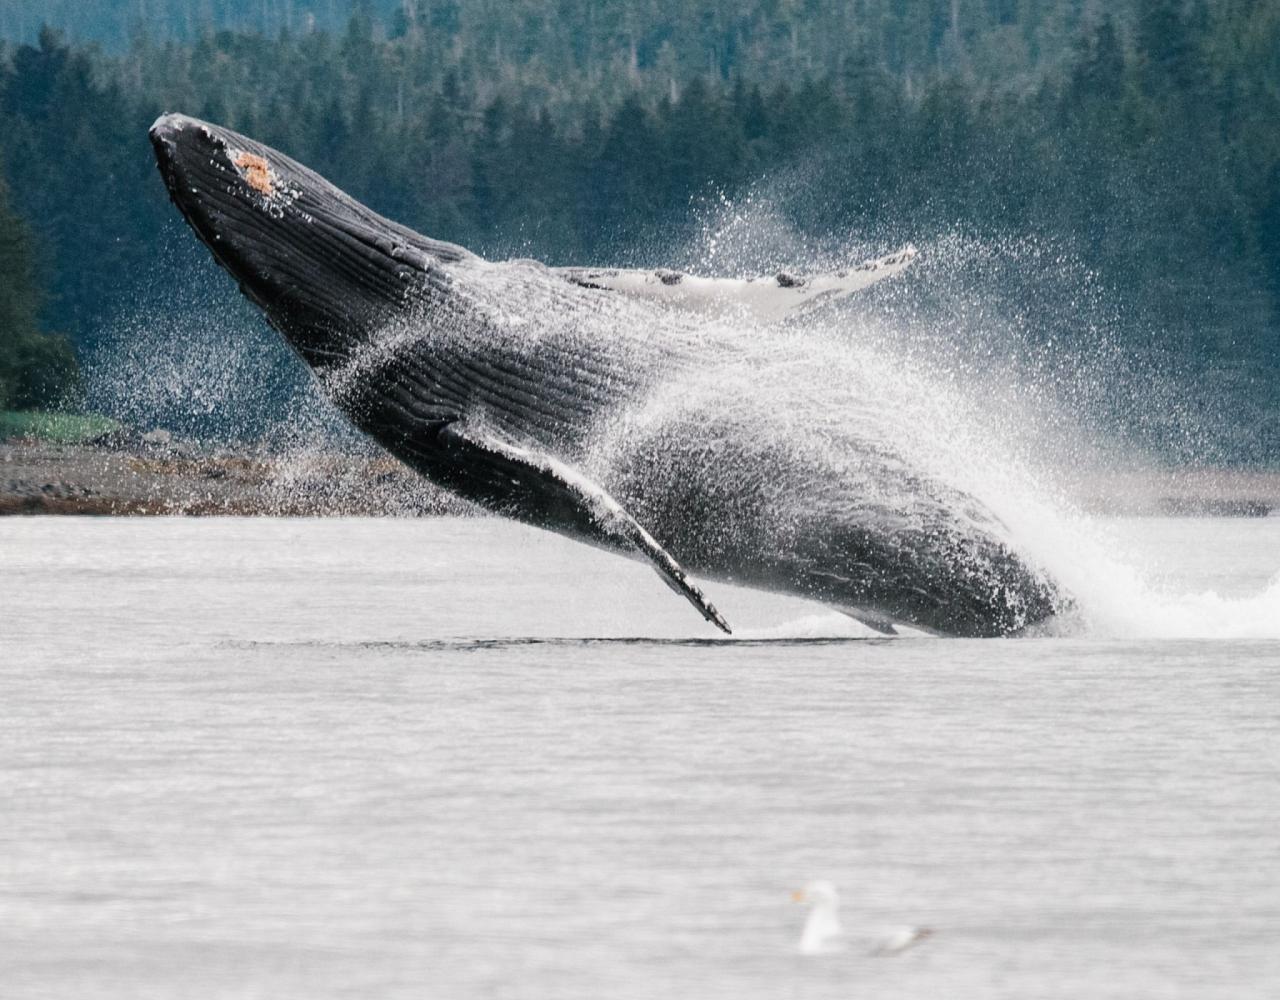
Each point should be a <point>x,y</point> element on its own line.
<point>499,382</point>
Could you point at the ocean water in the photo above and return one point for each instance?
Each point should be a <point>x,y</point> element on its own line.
<point>460,758</point>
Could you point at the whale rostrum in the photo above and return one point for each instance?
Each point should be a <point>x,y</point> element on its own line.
<point>646,412</point>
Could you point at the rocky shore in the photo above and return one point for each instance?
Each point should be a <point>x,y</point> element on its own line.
<point>156,473</point>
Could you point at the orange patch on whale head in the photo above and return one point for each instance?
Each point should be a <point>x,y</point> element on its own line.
<point>257,172</point>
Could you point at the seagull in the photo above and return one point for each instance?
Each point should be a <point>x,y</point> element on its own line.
<point>824,933</point>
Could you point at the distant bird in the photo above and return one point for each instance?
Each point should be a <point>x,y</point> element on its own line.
<point>823,932</point>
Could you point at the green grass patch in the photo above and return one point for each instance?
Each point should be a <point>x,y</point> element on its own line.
<point>59,428</point>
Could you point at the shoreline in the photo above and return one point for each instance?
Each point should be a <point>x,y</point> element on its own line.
<point>157,476</point>
<point>167,478</point>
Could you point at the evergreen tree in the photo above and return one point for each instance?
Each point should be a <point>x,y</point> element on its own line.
<point>35,369</point>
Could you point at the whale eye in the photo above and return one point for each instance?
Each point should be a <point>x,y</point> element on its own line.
<point>256,172</point>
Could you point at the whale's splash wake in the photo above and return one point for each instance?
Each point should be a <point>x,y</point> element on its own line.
<point>1004,449</point>
<point>1014,410</point>
<point>1135,609</point>
<point>986,412</point>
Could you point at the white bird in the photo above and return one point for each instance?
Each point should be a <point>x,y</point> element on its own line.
<point>824,933</point>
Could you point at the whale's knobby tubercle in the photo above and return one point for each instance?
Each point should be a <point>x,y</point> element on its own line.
<point>256,172</point>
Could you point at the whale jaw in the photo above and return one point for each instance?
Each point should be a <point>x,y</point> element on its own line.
<point>327,271</point>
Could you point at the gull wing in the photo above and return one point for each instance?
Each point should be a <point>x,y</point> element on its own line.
<point>562,488</point>
<point>768,299</point>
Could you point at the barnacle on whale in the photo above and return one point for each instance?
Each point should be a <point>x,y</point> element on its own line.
<point>256,172</point>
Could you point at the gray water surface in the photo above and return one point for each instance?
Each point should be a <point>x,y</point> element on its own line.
<point>458,758</point>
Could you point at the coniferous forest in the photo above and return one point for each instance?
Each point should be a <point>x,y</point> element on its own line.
<point>1138,141</point>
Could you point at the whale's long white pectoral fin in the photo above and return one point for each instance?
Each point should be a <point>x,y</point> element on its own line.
<point>562,485</point>
<point>768,299</point>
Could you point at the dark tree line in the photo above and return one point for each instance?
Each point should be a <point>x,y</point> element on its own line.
<point>35,367</point>
<point>1147,149</point>
<point>579,44</point>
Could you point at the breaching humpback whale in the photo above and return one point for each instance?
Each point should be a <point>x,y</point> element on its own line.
<point>577,400</point>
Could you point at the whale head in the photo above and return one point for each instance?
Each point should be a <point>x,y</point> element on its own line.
<point>327,271</point>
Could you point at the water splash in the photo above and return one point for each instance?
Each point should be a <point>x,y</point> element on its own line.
<point>948,366</point>
<point>192,356</point>
<point>1023,405</point>
<point>974,394</point>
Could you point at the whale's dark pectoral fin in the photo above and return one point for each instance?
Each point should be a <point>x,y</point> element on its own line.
<point>562,486</point>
